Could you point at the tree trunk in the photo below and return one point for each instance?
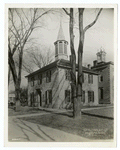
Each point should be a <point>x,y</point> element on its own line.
<point>17,79</point>
<point>73,63</point>
<point>80,52</point>
<point>73,85</point>
<point>17,96</point>
<point>8,75</point>
<point>77,86</point>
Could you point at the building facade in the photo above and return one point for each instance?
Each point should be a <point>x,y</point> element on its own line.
<point>50,86</point>
<point>106,78</point>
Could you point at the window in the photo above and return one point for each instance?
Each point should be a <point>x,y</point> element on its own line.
<point>65,48</point>
<point>48,97</point>
<point>83,96</point>
<point>60,47</point>
<point>48,76</point>
<point>39,79</point>
<point>100,78</point>
<point>101,92</point>
<point>56,52</point>
<point>67,96</point>
<point>32,81</point>
<point>90,96</point>
<point>90,78</point>
<point>67,75</point>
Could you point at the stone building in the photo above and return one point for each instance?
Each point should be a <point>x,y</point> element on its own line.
<point>106,78</point>
<point>50,86</point>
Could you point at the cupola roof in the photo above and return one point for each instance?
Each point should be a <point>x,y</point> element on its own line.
<point>60,33</point>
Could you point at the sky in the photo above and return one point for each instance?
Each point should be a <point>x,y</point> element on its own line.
<point>99,36</point>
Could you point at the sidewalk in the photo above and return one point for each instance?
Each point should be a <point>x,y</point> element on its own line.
<point>24,131</point>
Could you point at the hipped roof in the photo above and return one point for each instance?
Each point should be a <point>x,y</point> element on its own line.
<point>62,64</point>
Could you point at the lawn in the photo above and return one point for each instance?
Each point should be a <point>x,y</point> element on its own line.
<point>87,126</point>
<point>103,112</point>
<point>23,111</point>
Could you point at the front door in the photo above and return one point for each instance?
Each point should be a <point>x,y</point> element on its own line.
<point>39,96</point>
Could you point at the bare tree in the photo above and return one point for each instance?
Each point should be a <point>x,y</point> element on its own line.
<point>40,57</point>
<point>22,22</point>
<point>77,86</point>
<point>73,59</point>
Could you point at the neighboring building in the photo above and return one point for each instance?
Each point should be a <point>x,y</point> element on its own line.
<point>50,86</point>
<point>106,78</point>
<point>11,97</point>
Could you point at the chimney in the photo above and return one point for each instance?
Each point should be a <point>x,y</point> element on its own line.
<point>95,63</point>
<point>89,66</point>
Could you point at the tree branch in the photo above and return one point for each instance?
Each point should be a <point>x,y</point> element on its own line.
<point>66,11</point>
<point>90,25</point>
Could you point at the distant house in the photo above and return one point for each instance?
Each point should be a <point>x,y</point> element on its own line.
<point>50,86</point>
<point>106,78</point>
<point>11,97</point>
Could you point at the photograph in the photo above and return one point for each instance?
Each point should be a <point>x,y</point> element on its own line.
<point>61,62</point>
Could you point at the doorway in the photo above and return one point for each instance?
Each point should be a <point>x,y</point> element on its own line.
<point>39,96</point>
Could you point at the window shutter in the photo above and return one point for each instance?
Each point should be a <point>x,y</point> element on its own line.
<point>91,78</point>
<point>83,78</point>
<point>65,96</point>
<point>88,96</point>
<point>50,76</point>
<point>41,79</point>
<point>45,97</point>
<point>88,78</point>
<point>92,96</point>
<point>83,96</point>
<point>50,96</point>
<point>46,76</point>
<point>66,76</point>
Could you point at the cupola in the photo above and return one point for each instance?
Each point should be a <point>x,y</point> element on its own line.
<point>61,45</point>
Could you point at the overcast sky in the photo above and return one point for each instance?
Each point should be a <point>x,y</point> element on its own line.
<point>100,35</point>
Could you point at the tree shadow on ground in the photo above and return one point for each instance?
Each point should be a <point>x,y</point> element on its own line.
<point>68,114</point>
